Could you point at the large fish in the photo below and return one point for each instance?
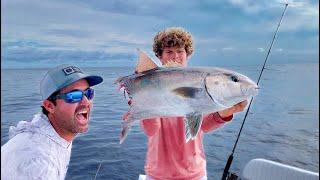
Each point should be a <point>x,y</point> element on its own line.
<point>177,91</point>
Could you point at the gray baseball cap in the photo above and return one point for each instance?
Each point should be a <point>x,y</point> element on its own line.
<point>62,76</point>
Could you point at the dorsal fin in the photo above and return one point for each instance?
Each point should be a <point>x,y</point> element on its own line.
<point>145,63</point>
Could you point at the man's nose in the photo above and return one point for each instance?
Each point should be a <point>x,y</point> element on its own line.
<point>85,100</point>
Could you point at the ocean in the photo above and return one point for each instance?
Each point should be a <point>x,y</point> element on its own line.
<point>282,125</point>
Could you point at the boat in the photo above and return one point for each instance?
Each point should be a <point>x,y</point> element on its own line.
<point>263,169</point>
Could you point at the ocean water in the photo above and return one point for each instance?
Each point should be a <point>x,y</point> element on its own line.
<point>283,123</point>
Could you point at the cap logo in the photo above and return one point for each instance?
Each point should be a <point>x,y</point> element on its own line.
<point>70,70</point>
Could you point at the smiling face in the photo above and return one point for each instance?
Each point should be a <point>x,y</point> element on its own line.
<point>174,54</point>
<point>68,119</point>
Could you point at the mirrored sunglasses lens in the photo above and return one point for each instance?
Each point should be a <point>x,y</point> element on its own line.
<point>74,97</point>
<point>89,93</point>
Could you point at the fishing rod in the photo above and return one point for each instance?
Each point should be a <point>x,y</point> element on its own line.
<point>226,173</point>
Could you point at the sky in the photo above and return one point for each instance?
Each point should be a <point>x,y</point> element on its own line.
<point>45,33</point>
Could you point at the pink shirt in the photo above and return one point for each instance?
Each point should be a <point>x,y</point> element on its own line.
<point>168,156</point>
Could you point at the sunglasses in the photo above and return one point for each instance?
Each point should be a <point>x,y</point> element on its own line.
<point>76,96</point>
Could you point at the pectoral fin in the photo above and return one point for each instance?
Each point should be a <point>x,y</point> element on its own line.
<point>188,92</point>
<point>192,124</point>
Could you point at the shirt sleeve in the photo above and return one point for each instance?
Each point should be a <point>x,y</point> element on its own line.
<point>38,168</point>
<point>213,121</point>
<point>150,126</point>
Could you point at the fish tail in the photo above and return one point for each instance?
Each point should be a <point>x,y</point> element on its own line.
<point>120,87</point>
<point>124,132</point>
<point>119,80</point>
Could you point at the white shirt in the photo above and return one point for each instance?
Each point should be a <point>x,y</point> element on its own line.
<point>35,151</point>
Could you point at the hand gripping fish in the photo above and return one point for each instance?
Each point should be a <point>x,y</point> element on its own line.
<point>179,91</point>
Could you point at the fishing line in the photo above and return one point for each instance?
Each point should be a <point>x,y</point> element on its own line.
<point>97,171</point>
<point>226,173</point>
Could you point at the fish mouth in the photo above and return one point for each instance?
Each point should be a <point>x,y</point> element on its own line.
<point>250,92</point>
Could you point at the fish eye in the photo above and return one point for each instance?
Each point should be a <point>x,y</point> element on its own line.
<point>234,78</point>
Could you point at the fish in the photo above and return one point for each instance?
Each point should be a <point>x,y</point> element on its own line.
<point>172,91</point>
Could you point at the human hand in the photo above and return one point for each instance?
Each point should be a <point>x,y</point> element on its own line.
<point>172,63</point>
<point>234,109</point>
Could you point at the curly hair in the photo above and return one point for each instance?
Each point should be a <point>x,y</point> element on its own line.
<point>172,37</point>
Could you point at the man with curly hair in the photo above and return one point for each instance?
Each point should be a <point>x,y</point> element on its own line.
<point>168,156</point>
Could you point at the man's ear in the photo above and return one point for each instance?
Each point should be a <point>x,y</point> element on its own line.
<point>50,107</point>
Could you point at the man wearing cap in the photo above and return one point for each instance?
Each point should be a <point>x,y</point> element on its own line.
<point>41,148</point>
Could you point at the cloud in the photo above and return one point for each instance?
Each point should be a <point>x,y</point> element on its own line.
<point>213,50</point>
<point>44,30</point>
<point>249,6</point>
<point>227,49</point>
<point>300,15</point>
<point>75,25</point>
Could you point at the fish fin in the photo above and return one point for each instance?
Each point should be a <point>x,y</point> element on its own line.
<point>188,135</point>
<point>124,132</point>
<point>193,123</point>
<point>188,92</point>
<point>145,63</point>
<point>118,80</point>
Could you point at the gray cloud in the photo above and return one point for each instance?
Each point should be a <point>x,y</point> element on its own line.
<point>43,30</point>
